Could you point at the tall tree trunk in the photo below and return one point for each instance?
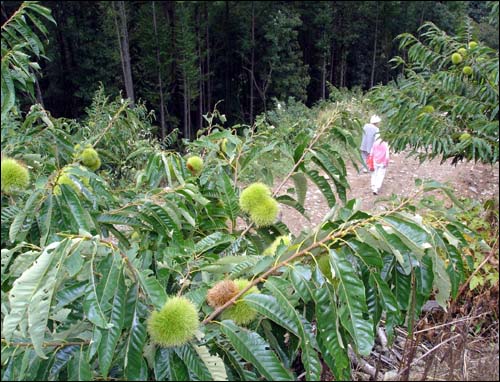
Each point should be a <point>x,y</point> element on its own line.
<point>252,64</point>
<point>65,59</point>
<point>189,97</point>
<point>323,77</point>
<point>372,78</point>
<point>122,32</point>
<point>186,116</point>
<point>332,63</point>
<point>209,90</point>
<point>160,82</point>
<point>200,69</point>
<point>342,55</point>
<point>122,61</point>
<point>38,91</point>
<point>227,70</point>
<point>175,101</point>
<point>344,74</point>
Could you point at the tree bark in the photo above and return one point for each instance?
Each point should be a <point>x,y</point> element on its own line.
<point>186,116</point>
<point>208,103</point>
<point>122,32</point>
<point>332,65</point>
<point>252,64</point>
<point>323,77</point>
<point>200,69</point>
<point>372,77</point>
<point>38,91</point>
<point>160,82</point>
<point>342,63</point>
<point>227,70</point>
<point>65,59</point>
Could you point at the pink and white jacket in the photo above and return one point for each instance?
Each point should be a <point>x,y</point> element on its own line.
<point>380,153</point>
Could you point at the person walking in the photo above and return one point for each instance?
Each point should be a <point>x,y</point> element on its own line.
<point>380,154</point>
<point>369,131</point>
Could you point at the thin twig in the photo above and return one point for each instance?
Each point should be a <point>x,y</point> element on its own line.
<point>4,25</point>
<point>452,322</point>
<point>466,284</point>
<point>122,108</point>
<point>365,366</point>
<point>429,352</point>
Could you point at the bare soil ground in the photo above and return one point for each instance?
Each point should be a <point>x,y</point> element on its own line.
<point>476,181</point>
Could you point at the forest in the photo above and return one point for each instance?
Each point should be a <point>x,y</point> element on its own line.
<point>184,196</point>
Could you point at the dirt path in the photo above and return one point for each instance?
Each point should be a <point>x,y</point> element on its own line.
<point>477,181</point>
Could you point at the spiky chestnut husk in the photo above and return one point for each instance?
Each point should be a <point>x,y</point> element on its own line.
<point>464,137</point>
<point>428,109</point>
<point>456,58</point>
<point>265,213</point>
<point>95,166</point>
<point>221,293</point>
<point>175,324</point>
<point>462,51</point>
<point>467,70</point>
<point>90,159</point>
<point>240,312</point>
<point>64,178</point>
<point>15,176</point>
<point>271,250</point>
<point>472,44</point>
<point>223,145</point>
<point>195,165</point>
<point>254,195</point>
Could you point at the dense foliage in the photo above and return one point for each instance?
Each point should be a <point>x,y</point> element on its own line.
<point>446,104</point>
<point>123,259</point>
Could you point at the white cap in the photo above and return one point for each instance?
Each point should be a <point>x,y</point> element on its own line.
<point>375,119</point>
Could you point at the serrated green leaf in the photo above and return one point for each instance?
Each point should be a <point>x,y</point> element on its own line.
<point>195,365</point>
<point>300,182</point>
<point>212,241</point>
<point>62,358</point>
<point>254,349</point>
<point>110,337</point>
<point>45,219</point>
<point>229,198</point>
<point>269,307</point>
<point>27,212</point>
<point>79,367</point>
<point>119,219</point>
<point>236,363</point>
<point>31,295</point>
<point>155,292</point>
<point>308,343</point>
<point>214,363</point>
<point>390,304</point>
<point>135,367</point>
<point>352,296</point>
<point>442,283</point>
<point>323,186</point>
<point>330,342</point>
<point>289,201</point>
<point>77,213</point>
<point>91,304</point>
